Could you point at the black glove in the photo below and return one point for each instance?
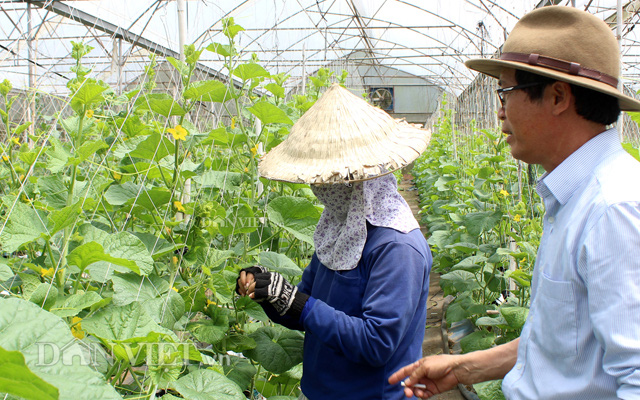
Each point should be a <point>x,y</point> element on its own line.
<point>283,296</point>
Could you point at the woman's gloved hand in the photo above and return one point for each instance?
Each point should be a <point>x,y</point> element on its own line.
<point>271,286</point>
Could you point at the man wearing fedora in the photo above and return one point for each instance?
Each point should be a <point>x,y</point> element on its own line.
<point>362,299</point>
<point>558,75</point>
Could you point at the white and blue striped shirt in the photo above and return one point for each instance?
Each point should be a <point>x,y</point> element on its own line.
<point>582,336</point>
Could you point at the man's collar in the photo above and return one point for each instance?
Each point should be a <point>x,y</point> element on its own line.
<point>567,177</point>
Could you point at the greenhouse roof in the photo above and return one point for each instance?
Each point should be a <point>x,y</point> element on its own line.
<point>430,39</point>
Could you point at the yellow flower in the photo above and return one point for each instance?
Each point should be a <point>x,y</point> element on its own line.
<point>254,150</point>
<point>246,169</point>
<point>76,329</point>
<point>174,288</point>
<point>517,217</point>
<point>116,175</point>
<point>178,206</point>
<point>178,133</point>
<point>233,123</point>
<point>209,302</point>
<point>44,272</point>
<point>15,141</point>
<point>5,158</point>
<point>88,114</point>
<point>504,193</point>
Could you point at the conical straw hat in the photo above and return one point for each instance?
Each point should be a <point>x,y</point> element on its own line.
<point>342,138</point>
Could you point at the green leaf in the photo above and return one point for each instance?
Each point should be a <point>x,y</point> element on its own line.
<point>460,281</point>
<point>28,157</point>
<point>86,150</point>
<point>464,247</point>
<point>205,384</point>
<point>489,321</point>
<point>51,352</point>
<point>483,221</point>
<point>214,259</point>
<point>252,308</point>
<point>61,219</point>
<point>154,148</point>
<point>228,181</point>
<point>21,128</point>
<point>18,380</point>
<point>470,264</point>
<point>5,272</point>
<point>278,349</point>
<point>156,246</point>
<point>166,310</point>
<point>24,226</point>
<point>478,340</point>
<point>240,219</point>
<point>279,263</point>
<point>180,66</point>
<point>57,156</point>
<point>214,91</point>
<point>490,390</point>
<point>515,316</point>
<point>224,50</point>
<point>122,323</point>
<point>53,190</point>
<point>269,114</point>
<point>296,215</point>
<point>129,288</point>
<point>75,303</point>
<point>276,89</point>
<point>224,285</point>
<point>44,296</point>
<point>87,95</point>
<point>92,252</point>
<point>160,103</point>
<point>250,71</point>
<point>209,331</point>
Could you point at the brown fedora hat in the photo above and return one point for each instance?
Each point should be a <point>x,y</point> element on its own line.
<point>566,44</point>
<point>342,138</point>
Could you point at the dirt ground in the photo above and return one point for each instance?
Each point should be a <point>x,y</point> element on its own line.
<point>433,337</point>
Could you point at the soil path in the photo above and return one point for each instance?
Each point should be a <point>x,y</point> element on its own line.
<point>433,335</point>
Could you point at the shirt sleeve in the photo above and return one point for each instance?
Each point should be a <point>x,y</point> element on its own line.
<point>397,279</point>
<point>611,260</point>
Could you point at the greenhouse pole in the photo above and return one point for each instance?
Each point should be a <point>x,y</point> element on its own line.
<point>304,72</point>
<point>182,38</point>
<point>31,106</point>
<point>620,21</point>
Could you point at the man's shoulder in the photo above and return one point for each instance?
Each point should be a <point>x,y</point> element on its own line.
<point>619,178</point>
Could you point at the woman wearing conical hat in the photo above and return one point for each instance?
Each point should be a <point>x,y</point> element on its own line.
<point>362,299</point>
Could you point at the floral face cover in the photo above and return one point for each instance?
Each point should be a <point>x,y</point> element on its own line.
<point>342,230</point>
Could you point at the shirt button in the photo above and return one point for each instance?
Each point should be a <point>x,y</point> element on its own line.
<point>551,220</point>
<point>519,366</point>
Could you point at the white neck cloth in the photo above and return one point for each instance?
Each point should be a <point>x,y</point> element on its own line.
<point>341,233</point>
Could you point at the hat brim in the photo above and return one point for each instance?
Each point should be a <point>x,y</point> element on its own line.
<point>344,165</point>
<point>494,67</point>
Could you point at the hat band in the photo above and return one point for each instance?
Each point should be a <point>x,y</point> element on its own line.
<point>560,65</point>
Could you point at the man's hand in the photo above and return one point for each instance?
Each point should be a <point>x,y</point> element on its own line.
<point>260,284</point>
<point>435,372</point>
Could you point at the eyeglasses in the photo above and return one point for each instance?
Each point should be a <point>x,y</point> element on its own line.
<point>501,92</point>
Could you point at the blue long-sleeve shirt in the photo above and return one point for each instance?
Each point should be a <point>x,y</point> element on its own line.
<point>363,324</point>
<point>582,337</point>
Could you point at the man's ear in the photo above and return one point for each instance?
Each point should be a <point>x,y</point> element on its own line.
<point>561,97</point>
